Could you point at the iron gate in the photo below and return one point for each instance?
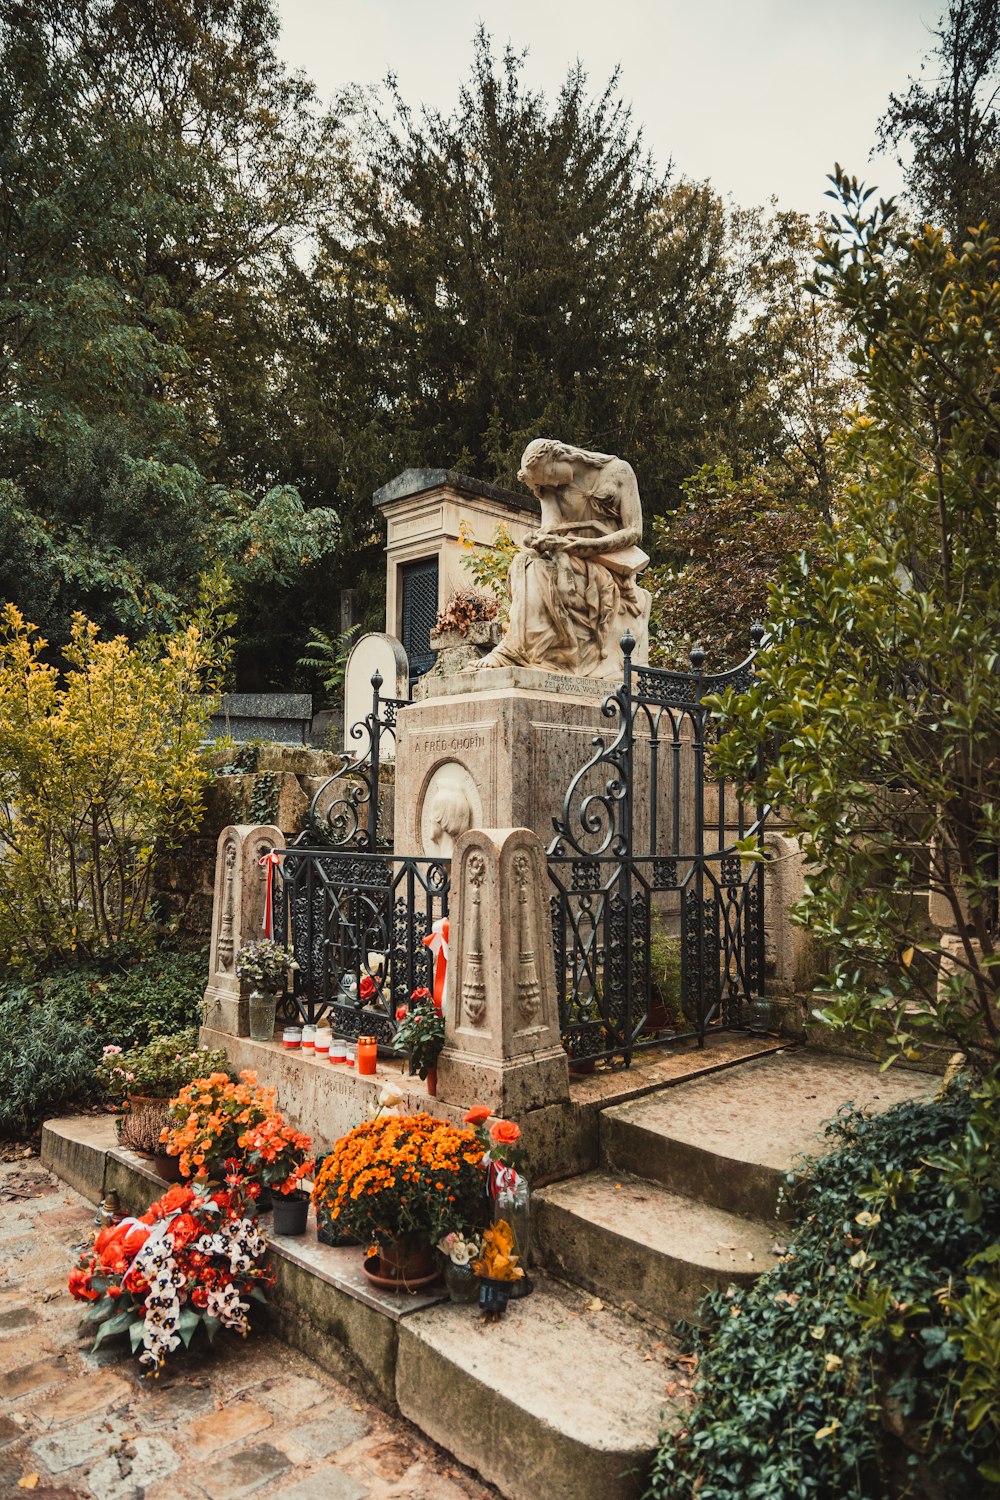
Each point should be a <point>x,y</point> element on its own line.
<point>354,913</point>
<point>657,917</point>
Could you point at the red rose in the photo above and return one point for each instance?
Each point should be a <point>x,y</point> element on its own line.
<point>422,994</point>
<point>80,1286</point>
<point>367,988</point>
<point>505,1133</point>
<point>183,1230</point>
<point>477,1115</point>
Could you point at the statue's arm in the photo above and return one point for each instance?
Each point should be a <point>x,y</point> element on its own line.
<point>621,478</point>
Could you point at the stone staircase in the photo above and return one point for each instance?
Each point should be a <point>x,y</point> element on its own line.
<point>563,1399</point>
<point>690,1189</point>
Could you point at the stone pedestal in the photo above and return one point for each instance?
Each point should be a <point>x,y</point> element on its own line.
<point>502,1045</point>
<point>237,910</point>
<point>492,749</point>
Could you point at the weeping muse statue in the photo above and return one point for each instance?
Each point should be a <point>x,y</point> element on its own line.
<point>572,586</point>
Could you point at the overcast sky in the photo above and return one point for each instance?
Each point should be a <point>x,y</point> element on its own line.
<point>760,96</point>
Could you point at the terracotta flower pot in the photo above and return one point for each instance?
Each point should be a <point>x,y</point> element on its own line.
<point>168,1167</point>
<point>432,1082</point>
<point>406,1259</point>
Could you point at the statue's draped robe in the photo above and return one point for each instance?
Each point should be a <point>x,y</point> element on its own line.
<point>562,611</point>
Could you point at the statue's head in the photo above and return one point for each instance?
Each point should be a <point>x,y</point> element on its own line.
<point>545,461</point>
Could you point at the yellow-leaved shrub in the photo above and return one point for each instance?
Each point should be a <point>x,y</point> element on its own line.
<point>102,767</point>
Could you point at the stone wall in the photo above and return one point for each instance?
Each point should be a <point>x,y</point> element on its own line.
<point>277,791</point>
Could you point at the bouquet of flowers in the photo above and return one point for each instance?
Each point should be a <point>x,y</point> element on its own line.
<point>160,1068</point>
<point>401,1175</point>
<point>420,1033</point>
<point>465,607</point>
<point>210,1118</point>
<point>460,1248</point>
<point>498,1259</point>
<point>277,1155</point>
<point>263,964</point>
<point>194,1259</point>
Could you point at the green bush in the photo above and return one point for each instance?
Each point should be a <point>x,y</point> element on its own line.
<point>847,1369</point>
<point>56,1027</point>
<point>126,1004</point>
<point>46,1066</point>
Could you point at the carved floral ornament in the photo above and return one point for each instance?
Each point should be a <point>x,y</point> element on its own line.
<point>529,988</point>
<point>226,945</point>
<point>473,979</point>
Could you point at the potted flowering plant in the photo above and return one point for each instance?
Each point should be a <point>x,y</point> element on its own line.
<point>402,1183</point>
<point>460,1247</point>
<point>420,1036</point>
<point>194,1260</point>
<point>510,1199</point>
<point>263,965</point>
<point>144,1078</point>
<point>278,1156</point>
<point>210,1120</point>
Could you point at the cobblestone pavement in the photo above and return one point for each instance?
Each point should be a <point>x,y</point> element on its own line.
<point>248,1418</point>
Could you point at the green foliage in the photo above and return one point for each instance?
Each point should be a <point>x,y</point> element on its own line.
<point>148,226</point>
<point>263,963</point>
<point>519,267</point>
<point>874,717</point>
<point>665,971</point>
<point>159,1068</point>
<point>328,656</point>
<point>949,121</point>
<point>100,772</point>
<point>264,798</point>
<point>490,565</point>
<point>420,1033</point>
<point>721,551</point>
<point>57,1026</point>
<point>46,1065</point>
<point>842,1370</point>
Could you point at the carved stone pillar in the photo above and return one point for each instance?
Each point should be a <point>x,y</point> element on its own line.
<point>502,1045</point>
<point>237,911</point>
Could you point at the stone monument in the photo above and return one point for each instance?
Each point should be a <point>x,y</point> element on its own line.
<point>501,1015</point>
<point>237,909</point>
<point>499,741</point>
<point>573,584</point>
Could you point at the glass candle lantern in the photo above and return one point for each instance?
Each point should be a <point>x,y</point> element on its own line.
<point>367,1054</point>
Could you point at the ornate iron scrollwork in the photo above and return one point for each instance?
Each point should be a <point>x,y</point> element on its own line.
<point>632,860</point>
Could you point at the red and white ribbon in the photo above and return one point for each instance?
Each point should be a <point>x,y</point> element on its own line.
<point>270,863</point>
<point>504,1185</point>
<point>437,942</point>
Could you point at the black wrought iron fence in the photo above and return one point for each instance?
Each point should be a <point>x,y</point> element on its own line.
<point>345,811</point>
<point>657,915</point>
<point>355,922</point>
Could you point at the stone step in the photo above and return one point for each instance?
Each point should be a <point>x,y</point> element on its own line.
<point>557,1399</point>
<point>636,1243</point>
<point>730,1139</point>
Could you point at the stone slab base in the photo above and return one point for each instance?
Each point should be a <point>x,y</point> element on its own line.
<point>559,1139</point>
<point>556,1400</point>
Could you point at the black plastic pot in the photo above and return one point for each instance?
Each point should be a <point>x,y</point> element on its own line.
<point>291,1213</point>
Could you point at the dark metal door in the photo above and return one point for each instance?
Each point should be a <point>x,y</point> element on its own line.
<point>420,607</point>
